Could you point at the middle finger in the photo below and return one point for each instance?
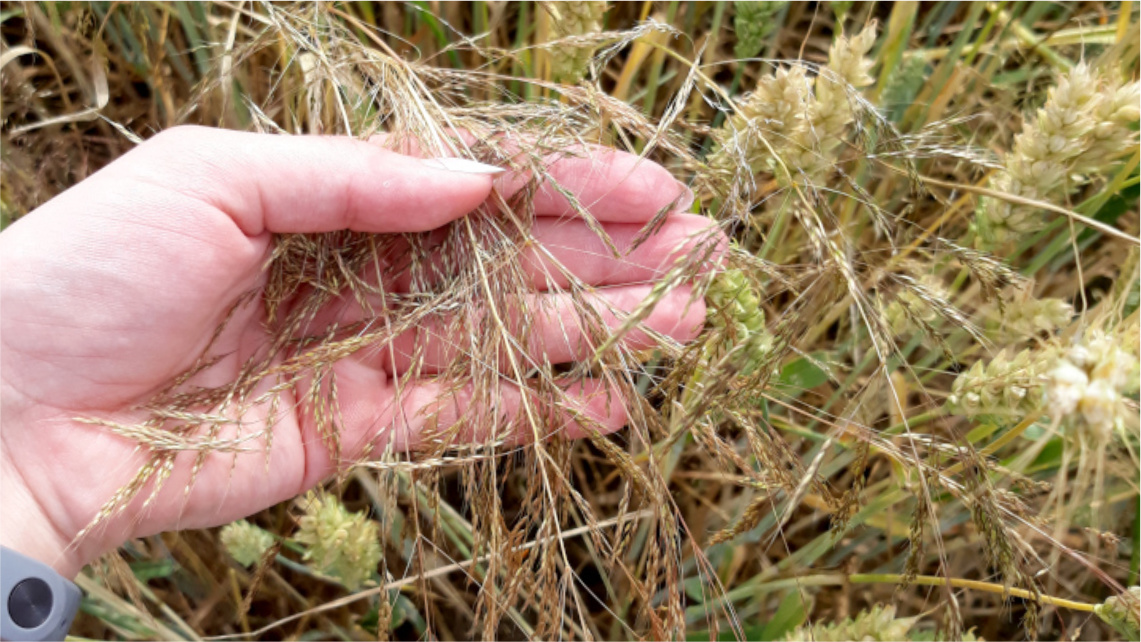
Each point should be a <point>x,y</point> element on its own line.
<point>567,250</point>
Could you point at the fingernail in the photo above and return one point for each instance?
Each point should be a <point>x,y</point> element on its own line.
<point>685,199</point>
<point>462,165</point>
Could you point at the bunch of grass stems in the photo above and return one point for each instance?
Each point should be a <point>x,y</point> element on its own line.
<point>828,454</point>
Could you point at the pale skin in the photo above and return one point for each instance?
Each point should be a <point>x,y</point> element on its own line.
<point>117,285</point>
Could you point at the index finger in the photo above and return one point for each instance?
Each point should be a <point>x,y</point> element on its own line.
<point>303,184</point>
<point>611,185</point>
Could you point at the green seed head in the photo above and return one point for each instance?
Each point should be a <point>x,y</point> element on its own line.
<point>753,22</point>
<point>734,304</point>
<point>245,542</point>
<point>879,623</point>
<point>1121,612</point>
<point>1008,386</point>
<point>570,64</point>
<point>340,543</point>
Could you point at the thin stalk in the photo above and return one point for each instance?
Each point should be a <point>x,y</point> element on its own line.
<point>427,575</point>
<point>656,62</point>
<point>1123,16</point>
<point>988,26</point>
<point>922,580</point>
<point>1035,42</point>
<point>1018,200</point>
<point>899,27</point>
<point>974,585</point>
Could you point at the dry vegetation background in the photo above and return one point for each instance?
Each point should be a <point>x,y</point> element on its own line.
<point>913,413</point>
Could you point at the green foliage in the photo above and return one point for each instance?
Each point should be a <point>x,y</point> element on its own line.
<point>906,81</point>
<point>790,614</point>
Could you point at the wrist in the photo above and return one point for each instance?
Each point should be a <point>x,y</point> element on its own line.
<point>26,528</point>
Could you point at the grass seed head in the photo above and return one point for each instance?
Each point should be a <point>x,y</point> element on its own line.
<point>569,19</point>
<point>245,542</point>
<point>1122,612</point>
<point>872,625</point>
<point>1007,386</point>
<point>1030,317</point>
<point>792,123</point>
<point>820,195</point>
<point>914,304</point>
<point>1091,382</point>
<point>339,542</point>
<point>735,307</point>
<point>753,23</point>
<point>1082,128</point>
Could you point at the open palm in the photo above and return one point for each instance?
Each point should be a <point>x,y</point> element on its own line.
<point>116,286</point>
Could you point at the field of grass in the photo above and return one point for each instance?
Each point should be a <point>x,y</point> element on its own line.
<point>913,413</point>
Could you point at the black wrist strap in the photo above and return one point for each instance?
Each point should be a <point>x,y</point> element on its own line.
<point>39,604</point>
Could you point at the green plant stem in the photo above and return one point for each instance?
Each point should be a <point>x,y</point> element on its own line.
<point>776,231</point>
<point>1018,200</point>
<point>1035,42</point>
<point>922,580</point>
<point>1011,434</point>
<point>995,445</point>
<point>975,585</point>
<point>898,33</point>
<point>988,26</point>
<point>656,62</point>
<point>1135,559</point>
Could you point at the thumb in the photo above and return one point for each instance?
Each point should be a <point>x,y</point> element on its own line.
<point>303,184</point>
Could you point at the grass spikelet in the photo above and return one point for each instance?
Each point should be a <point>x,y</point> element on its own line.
<point>1004,550</point>
<point>1082,128</point>
<point>792,123</point>
<point>1122,612</point>
<point>736,309</point>
<point>754,22</point>
<point>245,542</point>
<point>875,624</point>
<point>340,543</point>
<point>1007,386</point>
<point>569,19</point>
<point>1091,381</point>
<point>1026,317</point>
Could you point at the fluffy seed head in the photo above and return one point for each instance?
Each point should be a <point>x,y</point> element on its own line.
<point>245,542</point>
<point>340,543</point>
<point>1068,385</point>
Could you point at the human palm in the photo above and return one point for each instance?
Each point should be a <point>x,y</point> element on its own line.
<point>118,285</point>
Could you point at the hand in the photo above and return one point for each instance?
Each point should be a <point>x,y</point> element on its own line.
<point>117,285</point>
